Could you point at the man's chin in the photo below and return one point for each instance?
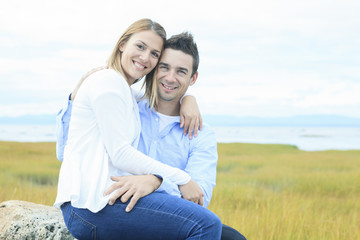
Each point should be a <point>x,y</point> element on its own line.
<point>167,98</point>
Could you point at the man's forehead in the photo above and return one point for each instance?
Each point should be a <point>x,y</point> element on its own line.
<point>176,58</point>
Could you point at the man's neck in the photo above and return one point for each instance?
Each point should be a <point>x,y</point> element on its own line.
<point>168,108</point>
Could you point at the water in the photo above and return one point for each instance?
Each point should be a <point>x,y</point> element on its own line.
<point>28,133</point>
<point>305,138</point>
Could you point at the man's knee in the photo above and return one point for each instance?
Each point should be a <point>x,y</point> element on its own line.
<point>229,233</point>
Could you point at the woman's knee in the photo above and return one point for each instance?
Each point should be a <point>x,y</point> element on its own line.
<point>217,223</point>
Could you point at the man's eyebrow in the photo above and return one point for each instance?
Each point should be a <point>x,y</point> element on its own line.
<point>184,69</point>
<point>163,64</point>
<point>147,46</point>
<point>179,68</point>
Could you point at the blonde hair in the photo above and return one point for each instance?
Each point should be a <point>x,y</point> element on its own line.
<point>114,61</point>
<point>151,88</point>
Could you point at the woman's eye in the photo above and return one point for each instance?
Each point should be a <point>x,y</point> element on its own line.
<point>155,55</point>
<point>139,46</point>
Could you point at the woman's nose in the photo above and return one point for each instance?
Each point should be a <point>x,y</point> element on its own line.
<point>144,56</point>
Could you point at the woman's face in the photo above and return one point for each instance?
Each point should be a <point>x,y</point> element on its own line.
<point>140,54</point>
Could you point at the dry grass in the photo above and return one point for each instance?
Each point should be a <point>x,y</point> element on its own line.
<point>280,192</point>
<point>264,191</point>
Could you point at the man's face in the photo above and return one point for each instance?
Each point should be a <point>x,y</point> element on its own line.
<point>174,74</point>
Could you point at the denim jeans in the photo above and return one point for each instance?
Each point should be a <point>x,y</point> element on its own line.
<point>228,233</point>
<point>156,216</point>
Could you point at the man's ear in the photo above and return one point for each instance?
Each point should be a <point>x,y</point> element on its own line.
<point>194,78</point>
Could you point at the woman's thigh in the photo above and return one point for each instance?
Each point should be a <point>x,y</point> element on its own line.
<point>156,216</point>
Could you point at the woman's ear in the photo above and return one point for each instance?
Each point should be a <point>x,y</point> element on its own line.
<point>122,47</point>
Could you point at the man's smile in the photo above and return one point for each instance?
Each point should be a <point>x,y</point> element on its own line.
<point>168,87</point>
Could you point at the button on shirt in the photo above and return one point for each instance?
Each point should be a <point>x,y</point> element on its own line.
<point>198,156</point>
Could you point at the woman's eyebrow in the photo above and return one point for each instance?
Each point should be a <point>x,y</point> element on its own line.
<point>147,46</point>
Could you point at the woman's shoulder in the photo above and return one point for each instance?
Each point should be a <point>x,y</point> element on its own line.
<point>106,75</point>
<point>106,79</point>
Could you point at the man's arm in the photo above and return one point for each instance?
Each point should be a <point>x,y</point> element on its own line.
<point>202,162</point>
<point>201,166</point>
<point>62,129</point>
<point>64,115</point>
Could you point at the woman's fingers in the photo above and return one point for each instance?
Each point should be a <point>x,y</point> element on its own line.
<point>133,202</point>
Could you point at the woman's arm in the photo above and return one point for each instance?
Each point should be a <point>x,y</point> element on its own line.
<point>113,118</point>
<point>116,119</point>
<point>190,117</point>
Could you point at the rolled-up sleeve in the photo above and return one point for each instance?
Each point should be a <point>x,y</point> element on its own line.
<point>202,162</point>
<point>62,129</point>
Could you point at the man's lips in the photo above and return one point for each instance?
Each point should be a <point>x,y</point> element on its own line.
<point>168,87</point>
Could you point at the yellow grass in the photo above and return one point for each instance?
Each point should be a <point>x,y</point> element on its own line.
<point>28,171</point>
<point>264,191</point>
<point>280,192</point>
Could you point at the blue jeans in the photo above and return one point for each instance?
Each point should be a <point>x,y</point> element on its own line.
<point>156,216</point>
<point>228,233</point>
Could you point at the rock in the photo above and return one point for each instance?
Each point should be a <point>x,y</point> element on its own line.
<point>30,221</point>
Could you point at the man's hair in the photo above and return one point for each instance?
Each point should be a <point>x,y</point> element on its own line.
<point>185,42</point>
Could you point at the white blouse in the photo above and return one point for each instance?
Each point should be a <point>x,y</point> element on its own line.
<point>103,136</point>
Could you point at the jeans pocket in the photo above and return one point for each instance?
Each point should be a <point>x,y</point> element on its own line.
<point>80,228</point>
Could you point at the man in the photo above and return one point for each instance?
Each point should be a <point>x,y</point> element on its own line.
<point>162,137</point>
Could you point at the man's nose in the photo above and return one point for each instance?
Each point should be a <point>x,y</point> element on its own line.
<point>170,76</point>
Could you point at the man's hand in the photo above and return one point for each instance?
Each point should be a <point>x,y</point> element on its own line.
<point>190,117</point>
<point>192,192</point>
<point>135,186</point>
<point>73,94</point>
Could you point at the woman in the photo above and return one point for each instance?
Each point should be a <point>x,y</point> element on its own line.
<point>103,135</point>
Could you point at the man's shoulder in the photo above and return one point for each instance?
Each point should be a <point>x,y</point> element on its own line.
<point>143,105</point>
<point>206,139</point>
<point>206,135</point>
<point>207,128</point>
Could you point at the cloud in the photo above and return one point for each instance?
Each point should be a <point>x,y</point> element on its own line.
<point>261,57</point>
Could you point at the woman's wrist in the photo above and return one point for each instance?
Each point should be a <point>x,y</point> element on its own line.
<point>157,180</point>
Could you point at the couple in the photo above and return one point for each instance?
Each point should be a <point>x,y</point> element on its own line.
<point>97,193</point>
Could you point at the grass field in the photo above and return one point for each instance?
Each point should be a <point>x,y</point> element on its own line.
<point>264,191</point>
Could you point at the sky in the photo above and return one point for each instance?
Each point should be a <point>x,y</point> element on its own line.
<point>257,58</point>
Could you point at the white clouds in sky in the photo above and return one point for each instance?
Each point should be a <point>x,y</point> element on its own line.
<point>264,58</point>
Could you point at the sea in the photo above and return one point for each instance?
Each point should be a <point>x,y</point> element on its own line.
<point>305,138</point>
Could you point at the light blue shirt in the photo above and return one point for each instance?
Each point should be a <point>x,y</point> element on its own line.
<point>198,156</point>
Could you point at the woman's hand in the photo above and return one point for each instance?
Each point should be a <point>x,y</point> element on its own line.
<point>190,117</point>
<point>135,186</point>
<point>192,192</point>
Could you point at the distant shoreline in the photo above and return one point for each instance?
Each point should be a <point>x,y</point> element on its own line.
<point>305,138</point>
<point>324,120</point>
